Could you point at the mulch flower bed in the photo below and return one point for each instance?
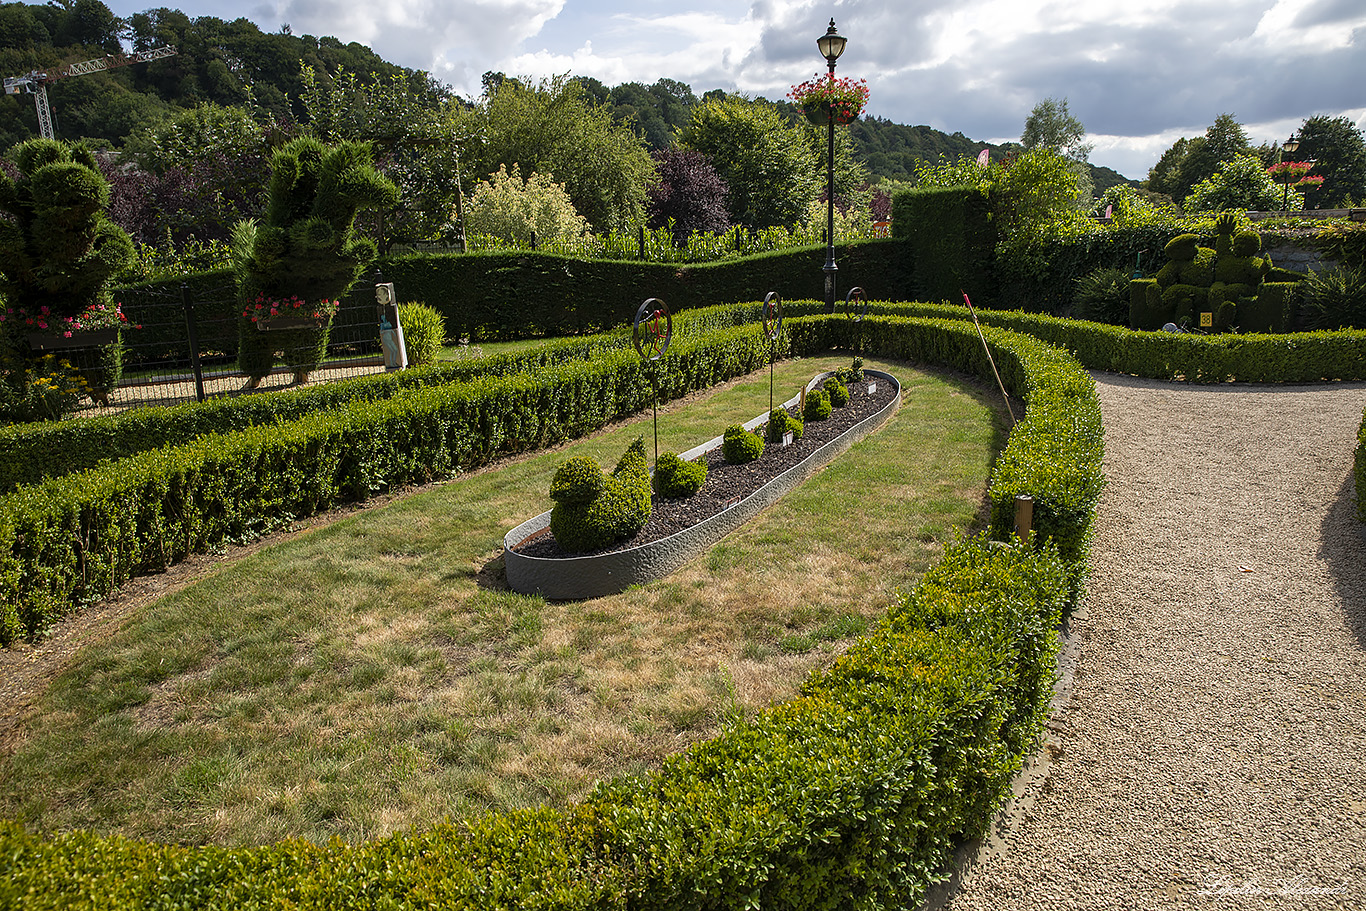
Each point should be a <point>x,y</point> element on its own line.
<point>728,484</point>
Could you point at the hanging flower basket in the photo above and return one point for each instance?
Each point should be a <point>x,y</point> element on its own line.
<point>822,97</point>
<point>95,327</point>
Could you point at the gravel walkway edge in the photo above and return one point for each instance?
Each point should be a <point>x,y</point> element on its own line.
<point>1207,744</point>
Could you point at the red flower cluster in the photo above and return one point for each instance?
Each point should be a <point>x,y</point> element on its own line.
<point>266,307</point>
<point>846,97</point>
<point>1289,171</point>
<point>96,316</point>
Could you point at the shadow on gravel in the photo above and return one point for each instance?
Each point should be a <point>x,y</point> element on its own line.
<point>1342,545</point>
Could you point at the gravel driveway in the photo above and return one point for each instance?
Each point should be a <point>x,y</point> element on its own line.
<point>1213,751</point>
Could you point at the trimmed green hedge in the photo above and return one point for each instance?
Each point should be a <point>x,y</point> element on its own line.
<point>951,239</point>
<point>503,295</point>
<point>852,794</point>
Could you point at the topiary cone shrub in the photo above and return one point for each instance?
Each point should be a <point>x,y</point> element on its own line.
<point>305,249</point>
<point>593,509</point>
<point>58,251</point>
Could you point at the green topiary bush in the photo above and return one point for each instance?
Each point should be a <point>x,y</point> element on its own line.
<point>817,406</point>
<point>739,446</point>
<point>58,251</point>
<point>675,477</point>
<point>592,510</point>
<point>837,391</point>
<point>853,373</point>
<point>780,421</point>
<point>424,332</point>
<point>304,250</point>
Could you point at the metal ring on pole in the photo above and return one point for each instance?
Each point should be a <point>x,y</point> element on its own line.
<point>856,305</point>
<point>773,315</point>
<point>653,329</point>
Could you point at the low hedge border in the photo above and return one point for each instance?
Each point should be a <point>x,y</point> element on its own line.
<point>852,794</point>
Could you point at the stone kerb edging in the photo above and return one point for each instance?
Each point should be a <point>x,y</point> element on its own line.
<point>596,575</point>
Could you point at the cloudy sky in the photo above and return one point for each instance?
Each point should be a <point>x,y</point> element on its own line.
<point>1139,74</point>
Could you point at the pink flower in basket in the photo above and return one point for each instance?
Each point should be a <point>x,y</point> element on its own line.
<point>845,98</point>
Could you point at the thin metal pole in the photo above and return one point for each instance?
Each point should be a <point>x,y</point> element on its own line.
<point>990,359</point>
<point>192,335</point>
<point>830,267</point>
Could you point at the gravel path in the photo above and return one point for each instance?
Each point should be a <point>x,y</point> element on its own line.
<point>1213,752</point>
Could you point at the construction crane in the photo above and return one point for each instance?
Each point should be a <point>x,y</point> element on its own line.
<point>36,82</point>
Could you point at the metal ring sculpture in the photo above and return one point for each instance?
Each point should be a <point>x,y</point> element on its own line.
<point>773,315</point>
<point>653,329</point>
<point>856,305</point>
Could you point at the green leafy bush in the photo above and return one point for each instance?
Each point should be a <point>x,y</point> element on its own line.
<point>739,446</point>
<point>817,406</point>
<point>1334,299</point>
<point>853,373</point>
<point>780,421</point>
<point>675,477</point>
<point>424,332</point>
<point>1102,296</point>
<point>593,510</point>
<point>837,391</point>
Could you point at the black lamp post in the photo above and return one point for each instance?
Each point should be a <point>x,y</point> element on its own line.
<point>1291,145</point>
<point>831,45</point>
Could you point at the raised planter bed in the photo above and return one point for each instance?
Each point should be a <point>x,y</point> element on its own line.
<point>575,577</point>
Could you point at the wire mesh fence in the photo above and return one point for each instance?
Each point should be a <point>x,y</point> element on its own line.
<point>182,345</point>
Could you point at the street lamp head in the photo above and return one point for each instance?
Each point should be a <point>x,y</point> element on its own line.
<point>1292,143</point>
<point>831,44</point>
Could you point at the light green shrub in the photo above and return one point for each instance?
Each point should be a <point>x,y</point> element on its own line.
<point>837,391</point>
<point>780,421</point>
<point>424,332</point>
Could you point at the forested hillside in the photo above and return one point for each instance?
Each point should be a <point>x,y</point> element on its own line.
<point>236,64</point>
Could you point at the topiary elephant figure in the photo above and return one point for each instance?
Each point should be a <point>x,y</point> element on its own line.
<point>594,509</point>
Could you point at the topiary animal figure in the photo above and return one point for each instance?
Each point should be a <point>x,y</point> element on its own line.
<point>305,248</point>
<point>592,509</point>
<point>58,252</point>
<point>1185,279</point>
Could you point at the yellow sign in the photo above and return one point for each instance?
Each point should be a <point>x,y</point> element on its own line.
<point>1206,320</point>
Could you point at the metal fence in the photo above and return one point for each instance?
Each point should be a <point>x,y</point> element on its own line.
<point>182,347</point>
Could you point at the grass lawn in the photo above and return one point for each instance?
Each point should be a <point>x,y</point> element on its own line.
<point>373,674</point>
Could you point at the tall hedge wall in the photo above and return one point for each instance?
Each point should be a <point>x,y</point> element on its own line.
<point>852,794</point>
<point>952,242</point>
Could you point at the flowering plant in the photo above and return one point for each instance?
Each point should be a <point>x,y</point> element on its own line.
<point>96,316</point>
<point>1291,172</point>
<point>267,308</point>
<point>845,97</point>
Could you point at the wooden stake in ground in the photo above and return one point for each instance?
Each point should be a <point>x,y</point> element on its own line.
<point>1005,395</point>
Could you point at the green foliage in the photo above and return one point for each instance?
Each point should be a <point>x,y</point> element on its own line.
<point>674,477</point>
<point>593,510</point>
<point>1334,299</point>
<point>766,162</point>
<point>739,446</point>
<point>1338,150</point>
<point>781,421</point>
<point>836,391</point>
<point>1344,242</point>
<point>424,332</point>
<point>816,406</point>
<point>557,129</point>
<point>508,207</point>
<point>306,246</point>
<point>1050,126</point>
<point>951,238</point>
<point>1190,161</point>
<point>1241,183</point>
<point>191,136</point>
<point>1103,296</point>
<point>853,373</point>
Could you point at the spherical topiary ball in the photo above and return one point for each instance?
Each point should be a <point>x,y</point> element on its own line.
<point>675,477</point>
<point>578,480</point>
<point>740,446</point>
<point>838,392</point>
<point>817,407</point>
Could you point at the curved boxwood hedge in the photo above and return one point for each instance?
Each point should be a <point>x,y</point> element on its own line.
<point>853,793</point>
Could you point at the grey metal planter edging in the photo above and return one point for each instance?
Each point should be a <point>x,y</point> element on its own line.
<point>596,575</point>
